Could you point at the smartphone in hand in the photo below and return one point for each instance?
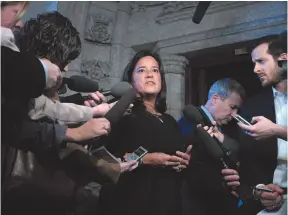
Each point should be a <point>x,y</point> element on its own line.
<point>241,119</point>
<point>264,189</point>
<point>137,154</point>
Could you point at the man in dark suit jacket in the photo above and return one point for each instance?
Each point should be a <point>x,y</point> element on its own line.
<point>203,190</point>
<point>263,145</point>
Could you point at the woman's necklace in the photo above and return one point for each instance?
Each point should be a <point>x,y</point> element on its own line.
<point>157,117</point>
<point>155,114</point>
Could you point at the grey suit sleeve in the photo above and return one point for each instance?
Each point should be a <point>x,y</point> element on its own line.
<point>64,113</point>
<point>37,136</point>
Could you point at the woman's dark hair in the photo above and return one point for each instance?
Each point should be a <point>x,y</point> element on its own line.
<point>51,35</point>
<point>160,105</point>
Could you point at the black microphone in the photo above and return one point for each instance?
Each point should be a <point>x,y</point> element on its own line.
<point>195,114</point>
<point>81,84</point>
<point>283,68</point>
<point>118,110</point>
<point>216,149</point>
<point>113,116</point>
<point>213,148</point>
<point>117,91</point>
<point>200,11</point>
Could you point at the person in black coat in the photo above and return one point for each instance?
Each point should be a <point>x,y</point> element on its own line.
<point>203,190</point>
<point>23,76</point>
<point>154,187</point>
<point>40,137</point>
<point>263,145</point>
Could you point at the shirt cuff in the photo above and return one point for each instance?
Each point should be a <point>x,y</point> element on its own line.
<point>46,70</point>
<point>60,133</point>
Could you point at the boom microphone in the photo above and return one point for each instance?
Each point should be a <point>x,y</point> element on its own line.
<point>200,11</point>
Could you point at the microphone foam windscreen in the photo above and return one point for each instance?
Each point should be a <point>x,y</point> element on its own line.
<point>192,114</point>
<point>81,84</point>
<point>211,145</point>
<point>118,110</point>
<point>120,89</point>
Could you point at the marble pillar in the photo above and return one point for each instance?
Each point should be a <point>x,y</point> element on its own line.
<point>175,67</point>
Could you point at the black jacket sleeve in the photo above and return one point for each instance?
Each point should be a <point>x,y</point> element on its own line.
<point>22,74</point>
<point>36,136</point>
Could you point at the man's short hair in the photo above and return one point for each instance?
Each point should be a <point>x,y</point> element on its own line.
<point>52,36</point>
<point>224,87</point>
<point>277,44</point>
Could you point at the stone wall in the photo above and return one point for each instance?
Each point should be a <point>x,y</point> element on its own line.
<point>112,32</point>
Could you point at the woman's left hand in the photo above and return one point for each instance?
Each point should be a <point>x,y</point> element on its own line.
<point>185,159</point>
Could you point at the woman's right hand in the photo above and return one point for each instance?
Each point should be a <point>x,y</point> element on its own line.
<point>161,159</point>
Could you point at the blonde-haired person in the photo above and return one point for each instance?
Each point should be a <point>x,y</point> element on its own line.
<point>41,72</point>
<point>12,12</point>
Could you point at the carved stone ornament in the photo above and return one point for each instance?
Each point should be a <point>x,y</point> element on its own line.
<point>172,6</point>
<point>98,29</point>
<point>141,6</point>
<point>174,64</point>
<point>97,70</point>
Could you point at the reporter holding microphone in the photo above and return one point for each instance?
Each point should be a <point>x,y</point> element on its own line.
<point>41,72</point>
<point>35,136</point>
<point>264,144</point>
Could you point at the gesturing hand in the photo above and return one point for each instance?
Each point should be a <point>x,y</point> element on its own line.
<point>185,158</point>
<point>262,129</point>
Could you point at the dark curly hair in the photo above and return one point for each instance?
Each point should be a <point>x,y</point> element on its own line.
<point>52,36</point>
<point>160,105</point>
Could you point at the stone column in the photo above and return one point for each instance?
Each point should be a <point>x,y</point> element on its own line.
<point>175,67</point>
<point>120,53</point>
